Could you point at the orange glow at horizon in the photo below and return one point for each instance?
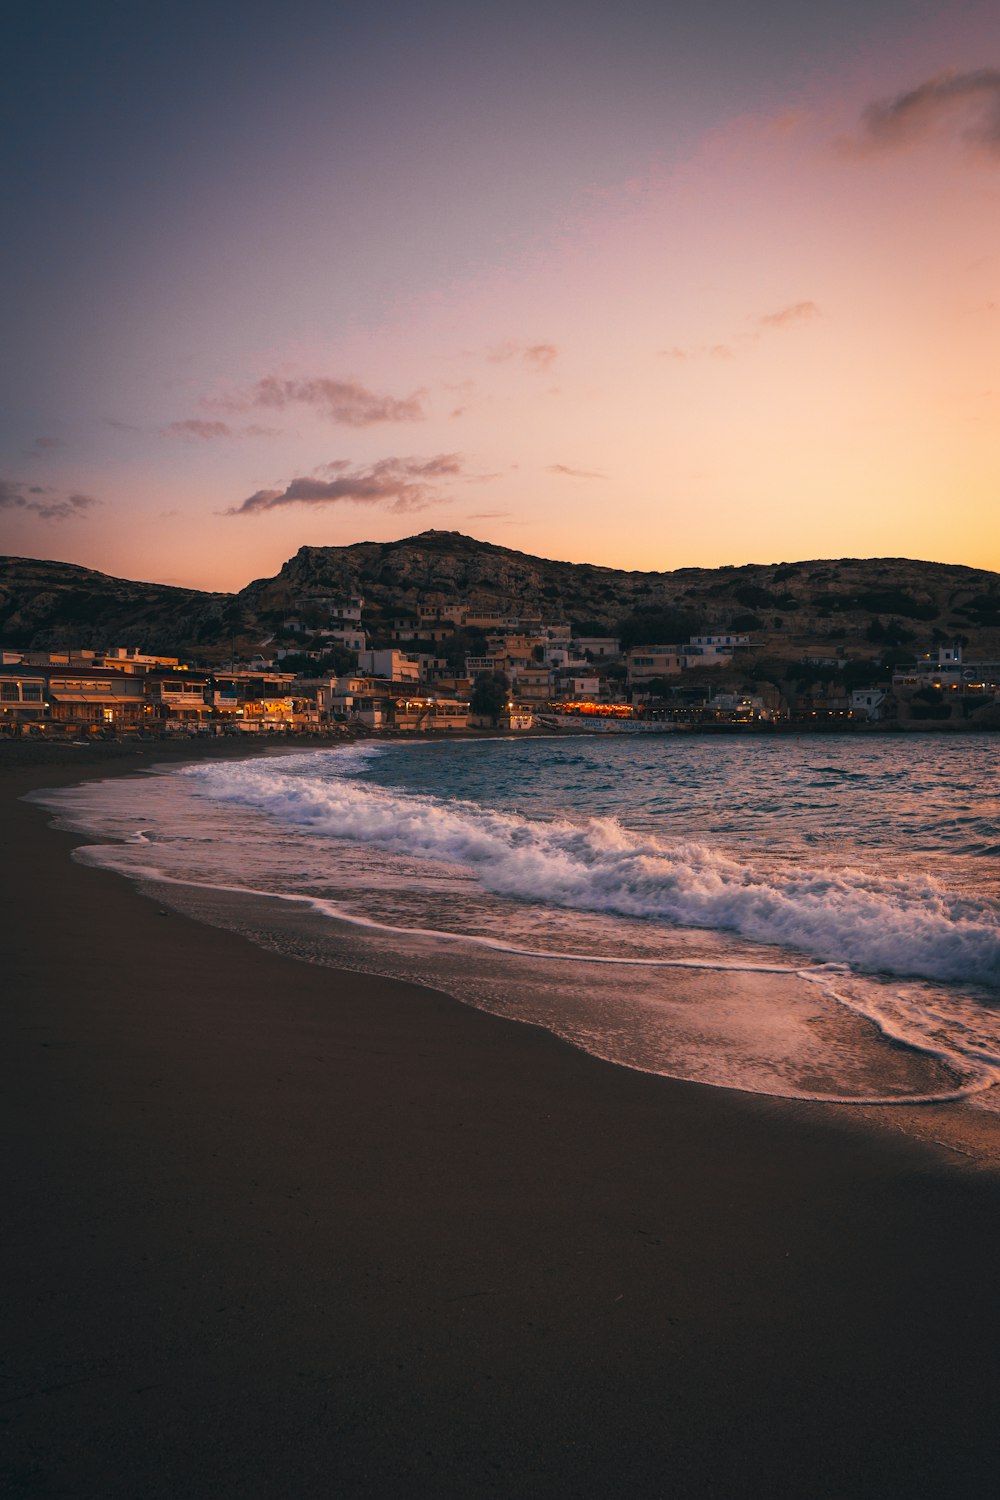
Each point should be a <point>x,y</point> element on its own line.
<point>779,345</point>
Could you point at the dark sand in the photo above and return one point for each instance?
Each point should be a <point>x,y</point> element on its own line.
<point>276,1230</point>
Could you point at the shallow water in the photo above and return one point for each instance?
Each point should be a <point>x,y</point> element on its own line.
<point>811,919</point>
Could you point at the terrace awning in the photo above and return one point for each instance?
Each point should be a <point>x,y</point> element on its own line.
<point>82,697</point>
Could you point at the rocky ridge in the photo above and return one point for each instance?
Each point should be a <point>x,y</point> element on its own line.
<point>50,604</point>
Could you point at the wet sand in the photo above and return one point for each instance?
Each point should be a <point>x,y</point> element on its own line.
<point>277,1230</point>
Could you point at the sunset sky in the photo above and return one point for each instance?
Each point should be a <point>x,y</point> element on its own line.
<point>640,284</point>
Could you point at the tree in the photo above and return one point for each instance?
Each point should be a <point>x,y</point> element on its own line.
<point>460,645</point>
<point>588,627</point>
<point>656,627</point>
<point>489,694</point>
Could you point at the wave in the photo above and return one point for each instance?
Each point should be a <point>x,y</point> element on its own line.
<point>910,927</point>
<point>970,1057</point>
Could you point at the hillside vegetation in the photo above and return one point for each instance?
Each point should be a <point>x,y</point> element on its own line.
<point>817,603</point>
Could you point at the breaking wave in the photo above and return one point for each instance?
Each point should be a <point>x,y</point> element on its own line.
<point>911,927</point>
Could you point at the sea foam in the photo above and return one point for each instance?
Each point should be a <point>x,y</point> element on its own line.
<point>906,926</point>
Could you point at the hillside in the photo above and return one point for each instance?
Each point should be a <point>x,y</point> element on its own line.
<point>50,604</point>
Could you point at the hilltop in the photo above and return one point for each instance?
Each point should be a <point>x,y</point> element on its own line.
<point>52,604</point>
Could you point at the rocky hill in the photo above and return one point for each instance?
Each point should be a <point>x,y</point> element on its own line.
<point>48,604</point>
<point>52,604</point>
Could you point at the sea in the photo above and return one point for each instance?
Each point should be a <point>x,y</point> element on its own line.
<point>814,919</point>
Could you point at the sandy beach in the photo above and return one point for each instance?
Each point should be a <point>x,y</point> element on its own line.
<point>277,1230</point>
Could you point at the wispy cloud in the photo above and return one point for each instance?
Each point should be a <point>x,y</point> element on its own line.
<point>345,402</point>
<point>44,501</point>
<point>572,473</point>
<point>707,351</point>
<point>788,317</point>
<point>782,318</point>
<point>966,104</point>
<point>196,427</point>
<point>488,515</point>
<point>43,445</point>
<point>403,484</point>
<point>535,357</point>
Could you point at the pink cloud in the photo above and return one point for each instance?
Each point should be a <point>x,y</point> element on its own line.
<point>536,357</point>
<point>575,473</point>
<point>969,101</point>
<point>196,427</point>
<point>44,501</point>
<point>408,483</point>
<point>345,402</point>
<point>786,317</point>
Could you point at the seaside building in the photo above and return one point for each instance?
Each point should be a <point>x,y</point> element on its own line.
<point>947,669</point>
<point>739,707</point>
<point>578,687</point>
<point>350,637</point>
<point>452,614</point>
<point>403,630</point>
<point>518,719</point>
<point>22,695</point>
<point>597,646</point>
<point>130,659</point>
<point>346,608</point>
<point>559,656</point>
<point>647,662</point>
<point>531,687</point>
<point>475,666</point>
<point>477,618</point>
<point>869,702</point>
<point>178,702</point>
<point>94,698</point>
<point>723,643</point>
<point>556,632</point>
<point>704,654</point>
<point>392,665</point>
<point>427,713</point>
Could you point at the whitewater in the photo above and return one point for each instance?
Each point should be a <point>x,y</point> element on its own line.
<point>816,919</point>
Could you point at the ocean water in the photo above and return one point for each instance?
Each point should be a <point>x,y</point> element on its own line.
<point>813,919</point>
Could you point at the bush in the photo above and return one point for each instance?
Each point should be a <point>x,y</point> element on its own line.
<point>490,692</point>
<point>756,597</point>
<point>656,627</point>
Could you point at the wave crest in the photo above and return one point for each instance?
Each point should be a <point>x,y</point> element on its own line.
<point>909,927</point>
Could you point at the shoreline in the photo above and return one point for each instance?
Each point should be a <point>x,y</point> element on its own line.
<point>282,1229</point>
<point>953,1123</point>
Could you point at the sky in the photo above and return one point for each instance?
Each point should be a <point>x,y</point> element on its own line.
<point>638,284</point>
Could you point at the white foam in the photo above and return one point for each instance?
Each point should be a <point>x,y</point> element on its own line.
<point>910,927</point>
<point>975,1067</point>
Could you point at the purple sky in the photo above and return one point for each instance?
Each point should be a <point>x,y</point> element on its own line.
<point>637,284</point>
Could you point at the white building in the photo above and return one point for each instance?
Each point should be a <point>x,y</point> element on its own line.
<point>394,666</point>
<point>597,645</point>
<point>350,637</point>
<point>869,701</point>
<point>347,608</point>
